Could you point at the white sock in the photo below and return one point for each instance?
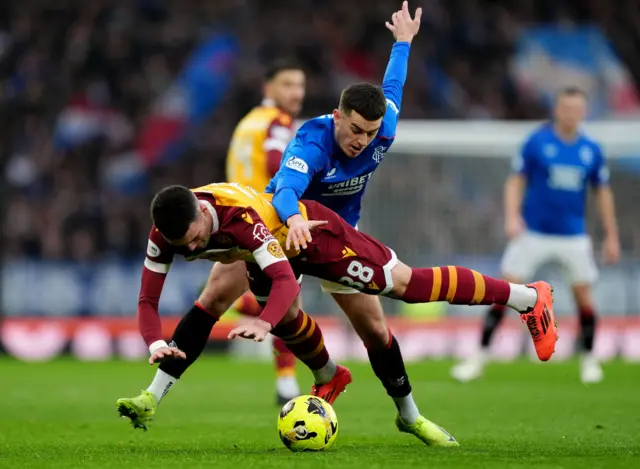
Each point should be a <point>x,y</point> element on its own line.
<point>407,409</point>
<point>483,354</point>
<point>522,297</point>
<point>325,374</point>
<point>161,384</point>
<point>287,386</point>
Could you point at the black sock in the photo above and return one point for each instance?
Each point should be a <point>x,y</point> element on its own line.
<point>191,336</point>
<point>587,331</point>
<point>491,322</point>
<point>388,365</point>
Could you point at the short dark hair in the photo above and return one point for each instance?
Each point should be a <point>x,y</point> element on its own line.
<point>570,91</point>
<point>280,65</point>
<point>173,209</point>
<point>366,99</point>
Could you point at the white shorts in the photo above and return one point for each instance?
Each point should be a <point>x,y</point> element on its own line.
<point>333,287</point>
<point>528,252</point>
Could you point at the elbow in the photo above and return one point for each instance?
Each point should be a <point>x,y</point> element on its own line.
<point>515,184</point>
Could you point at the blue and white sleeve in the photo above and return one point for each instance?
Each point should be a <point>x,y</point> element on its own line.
<point>395,77</point>
<point>299,163</point>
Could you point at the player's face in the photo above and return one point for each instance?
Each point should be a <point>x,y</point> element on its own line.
<point>353,132</point>
<point>570,111</point>
<point>287,89</point>
<point>198,234</point>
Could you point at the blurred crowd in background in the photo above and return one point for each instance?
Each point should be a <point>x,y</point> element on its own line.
<point>79,79</point>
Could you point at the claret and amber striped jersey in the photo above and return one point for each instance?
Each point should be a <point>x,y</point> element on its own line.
<point>257,145</point>
<point>245,227</point>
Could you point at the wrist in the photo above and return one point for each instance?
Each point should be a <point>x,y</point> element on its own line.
<point>266,324</point>
<point>293,218</point>
<point>404,40</point>
<point>269,322</point>
<point>156,345</point>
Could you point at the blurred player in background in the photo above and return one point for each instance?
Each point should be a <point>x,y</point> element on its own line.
<point>253,159</point>
<point>545,220</point>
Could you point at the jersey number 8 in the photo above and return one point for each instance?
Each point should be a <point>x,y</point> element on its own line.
<point>357,271</point>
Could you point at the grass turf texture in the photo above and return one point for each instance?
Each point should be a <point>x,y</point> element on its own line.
<point>222,414</point>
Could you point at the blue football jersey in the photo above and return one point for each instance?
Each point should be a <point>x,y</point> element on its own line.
<point>314,167</point>
<point>558,174</point>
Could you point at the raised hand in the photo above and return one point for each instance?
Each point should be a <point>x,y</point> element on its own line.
<point>403,27</point>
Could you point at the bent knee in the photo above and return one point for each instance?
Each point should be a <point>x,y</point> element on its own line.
<point>372,330</point>
<point>218,297</point>
<point>401,275</point>
<point>375,337</point>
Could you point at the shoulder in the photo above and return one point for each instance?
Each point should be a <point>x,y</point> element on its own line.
<point>313,140</point>
<point>156,242</point>
<point>538,138</point>
<point>159,249</point>
<point>541,133</point>
<point>590,152</point>
<point>260,117</point>
<point>281,127</point>
<point>317,127</point>
<point>282,119</point>
<point>590,142</point>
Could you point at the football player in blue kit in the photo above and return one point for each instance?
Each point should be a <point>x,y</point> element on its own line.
<point>545,221</point>
<point>330,160</point>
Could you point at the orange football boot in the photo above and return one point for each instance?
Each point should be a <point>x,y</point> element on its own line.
<point>541,321</point>
<point>331,390</point>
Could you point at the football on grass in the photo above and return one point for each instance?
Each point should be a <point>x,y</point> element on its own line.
<point>307,423</point>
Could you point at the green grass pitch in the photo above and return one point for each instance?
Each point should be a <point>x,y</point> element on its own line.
<point>222,414</point>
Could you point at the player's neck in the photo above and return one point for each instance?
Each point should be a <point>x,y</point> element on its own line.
<point>567,134</point>
<point>268,102</point>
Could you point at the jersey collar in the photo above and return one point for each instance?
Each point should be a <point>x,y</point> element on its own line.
<point>214,215</point>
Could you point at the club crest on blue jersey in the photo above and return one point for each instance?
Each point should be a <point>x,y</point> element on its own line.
<point>313,166</point>
<point>550,150</point>
<point>586,155</point>
<point>378,154</point>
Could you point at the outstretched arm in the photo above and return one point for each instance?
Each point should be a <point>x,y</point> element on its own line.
<point>301,161</point>
<point>154,272</point>
<point>404,29</point>
<point>254,236</point>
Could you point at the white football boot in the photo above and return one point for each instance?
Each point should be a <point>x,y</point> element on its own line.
<point>472,368</point>
<point>590,370</point>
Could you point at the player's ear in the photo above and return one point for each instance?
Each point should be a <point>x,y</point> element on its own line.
<point>336,116</point>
